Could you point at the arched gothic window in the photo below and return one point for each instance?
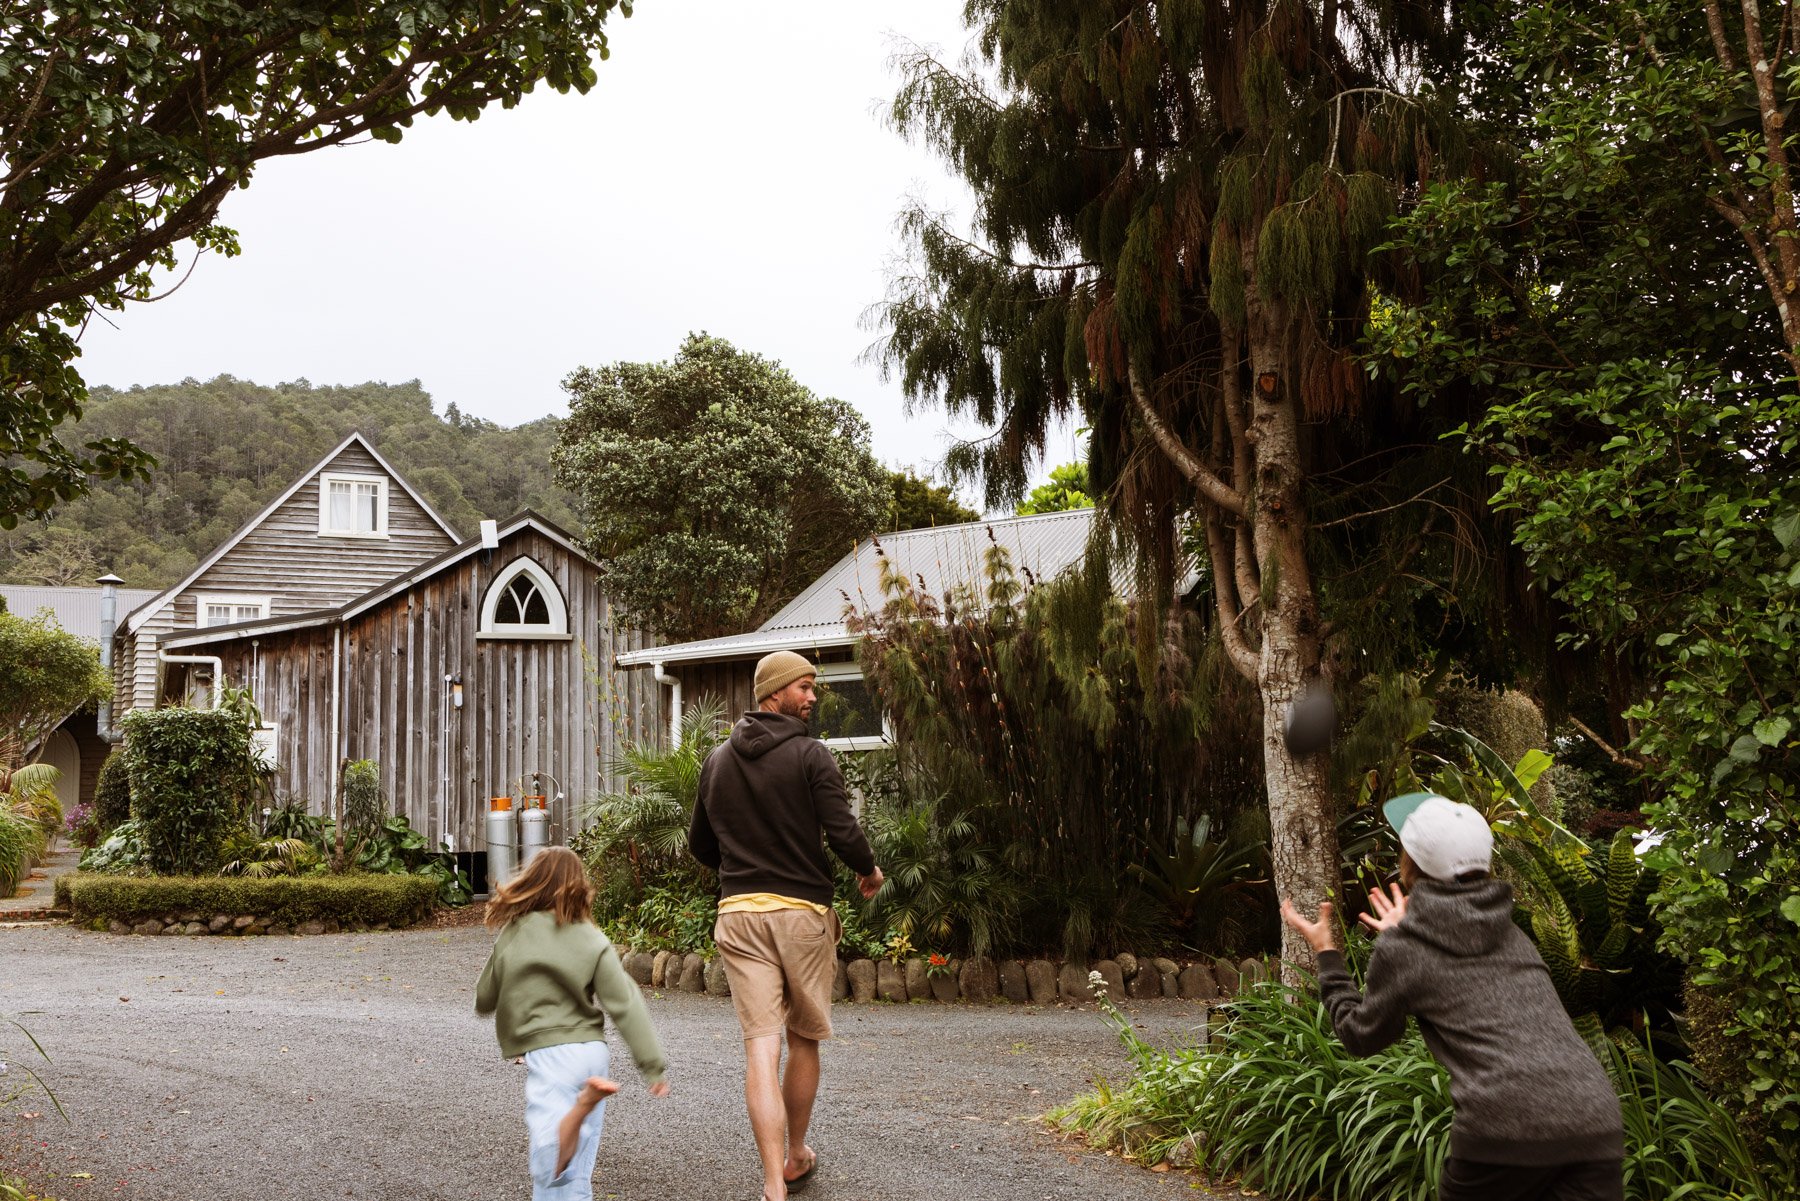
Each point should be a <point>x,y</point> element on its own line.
<point>523,601</point>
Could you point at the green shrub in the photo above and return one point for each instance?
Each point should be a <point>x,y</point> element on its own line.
<point>121,851</point>
<point>20,839</point>
<point>112,792</point>
<point>349,900</point>
<point>666,919</point>
<point>191,781</point>
<point>1275,1100</point>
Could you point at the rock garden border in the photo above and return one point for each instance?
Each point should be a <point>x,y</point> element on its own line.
<point>979,980</point>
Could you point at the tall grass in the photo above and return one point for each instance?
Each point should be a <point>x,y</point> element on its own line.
<point>1272,1099</point>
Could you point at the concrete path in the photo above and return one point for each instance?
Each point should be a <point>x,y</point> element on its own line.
<point>353,1066</point>
<point>38,890</point>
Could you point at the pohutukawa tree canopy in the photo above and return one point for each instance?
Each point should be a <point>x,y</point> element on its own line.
<point>714,487</point>
<point>124,125</point>
<point>1176,203</point>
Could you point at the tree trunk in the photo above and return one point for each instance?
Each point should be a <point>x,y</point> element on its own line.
<point>1303,844</point>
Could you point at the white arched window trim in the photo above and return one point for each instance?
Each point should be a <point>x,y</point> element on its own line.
<point>532,571</point>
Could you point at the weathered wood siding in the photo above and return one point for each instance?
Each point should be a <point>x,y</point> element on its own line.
<point>286,559</point>
<point>551,705</point>
<point>730,682</point>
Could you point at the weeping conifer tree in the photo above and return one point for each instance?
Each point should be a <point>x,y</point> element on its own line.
<point>1176,203</point>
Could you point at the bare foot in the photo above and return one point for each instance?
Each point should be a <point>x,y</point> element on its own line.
<point>568,1133</point>
<point>800,1163</point>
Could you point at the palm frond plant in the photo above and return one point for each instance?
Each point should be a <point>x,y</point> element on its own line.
<point>946,886</point>
<point>265,857</point>
<point>1203,880</point>
<point>641,830</point>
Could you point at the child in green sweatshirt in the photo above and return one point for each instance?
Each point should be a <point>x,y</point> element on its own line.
<point>551,982</point>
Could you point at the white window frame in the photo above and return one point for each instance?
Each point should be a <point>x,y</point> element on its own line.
<point>328,478</point>
<point>235,600</point>
<point>558,627</point>
<point>832,672</point>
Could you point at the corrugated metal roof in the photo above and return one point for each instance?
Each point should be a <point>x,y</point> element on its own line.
<point>77,610</point>
<point>942,558</point>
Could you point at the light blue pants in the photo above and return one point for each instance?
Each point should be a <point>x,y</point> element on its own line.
<point>553,1075</point>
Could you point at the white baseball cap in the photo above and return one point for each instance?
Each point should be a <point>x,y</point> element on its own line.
<point>1443,837</point>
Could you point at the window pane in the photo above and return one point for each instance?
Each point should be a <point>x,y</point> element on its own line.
<point>537,613</point>
<point>218,615</point>
<point>368,509</point>
<point>248,613</point>
<point>342,515</point>
<point>846,709</point>
<point>506,613</point>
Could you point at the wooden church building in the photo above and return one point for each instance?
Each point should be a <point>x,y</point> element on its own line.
<point>366,628</point>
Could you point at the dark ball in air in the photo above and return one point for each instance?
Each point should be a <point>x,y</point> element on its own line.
<point>1311,720</point>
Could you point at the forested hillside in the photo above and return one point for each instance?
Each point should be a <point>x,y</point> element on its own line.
<point>227,447</point>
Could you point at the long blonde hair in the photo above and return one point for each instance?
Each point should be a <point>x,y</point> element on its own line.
<point>556,880</point>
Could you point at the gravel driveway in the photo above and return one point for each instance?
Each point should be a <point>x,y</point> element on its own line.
<point>354,1066</point>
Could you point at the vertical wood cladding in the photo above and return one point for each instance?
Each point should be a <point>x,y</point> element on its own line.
<point>731,682</point>
<point>554,705</point>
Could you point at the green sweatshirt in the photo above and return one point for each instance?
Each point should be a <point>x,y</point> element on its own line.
<point>547,985</point>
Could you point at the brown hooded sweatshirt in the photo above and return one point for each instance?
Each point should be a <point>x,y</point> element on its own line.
<point>766,796</point>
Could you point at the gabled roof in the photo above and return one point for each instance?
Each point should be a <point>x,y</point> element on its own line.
<point>143,613</point>
<point>77,610</point>
<point>381,592</point>
<point>936,559</point>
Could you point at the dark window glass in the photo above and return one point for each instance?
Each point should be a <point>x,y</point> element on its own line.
<point>846,709</point>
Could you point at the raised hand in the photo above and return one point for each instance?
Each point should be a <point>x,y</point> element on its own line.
<point>1320,935</point>
<point>1385,913</point>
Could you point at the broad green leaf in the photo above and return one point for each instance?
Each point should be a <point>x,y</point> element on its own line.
<point>1771,730</point>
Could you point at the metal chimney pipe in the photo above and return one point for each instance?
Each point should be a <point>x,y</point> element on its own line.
<point>109,622</point>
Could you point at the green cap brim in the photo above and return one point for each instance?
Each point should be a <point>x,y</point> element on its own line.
<point>1401,807</point>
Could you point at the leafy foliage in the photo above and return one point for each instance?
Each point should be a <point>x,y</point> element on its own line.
<point>1272,1098</point>
<point>1622,303</point>
<point>192,780</point>
<point>714,487</point>
<point>636,844</point>
<point>1033,757</point>
<point>1068,489</point>
<point>112,792</point>
<point>125,125</point>
<point>120,851</point>
<point>1174,212</point>
<point>225,448</point>
<point>946,886</point>
<point>1203,883</point>
<point>354,899</point>
<point>45,675</point>
<point>919,503</point>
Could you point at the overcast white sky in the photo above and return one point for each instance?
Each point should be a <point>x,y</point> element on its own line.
<point>730,173</point>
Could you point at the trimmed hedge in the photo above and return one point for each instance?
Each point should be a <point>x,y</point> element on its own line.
<point>351,900</point>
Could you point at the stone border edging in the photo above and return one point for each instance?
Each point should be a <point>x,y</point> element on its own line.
<point>226,925</point>
<point>977,980</point>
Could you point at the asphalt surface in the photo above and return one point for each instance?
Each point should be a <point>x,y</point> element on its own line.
<point>194,1069</point>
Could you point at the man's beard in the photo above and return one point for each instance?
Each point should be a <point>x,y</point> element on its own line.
<point>793,708</point>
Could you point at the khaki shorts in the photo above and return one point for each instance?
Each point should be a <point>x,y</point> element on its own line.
<point>781,966</point>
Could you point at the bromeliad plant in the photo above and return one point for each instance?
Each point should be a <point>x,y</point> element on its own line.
<point>1201,885</point>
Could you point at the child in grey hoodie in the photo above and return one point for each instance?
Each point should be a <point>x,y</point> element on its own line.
<point>1536,1116</point>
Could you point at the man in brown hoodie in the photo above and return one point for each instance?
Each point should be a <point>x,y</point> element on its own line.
<point>769,798</point>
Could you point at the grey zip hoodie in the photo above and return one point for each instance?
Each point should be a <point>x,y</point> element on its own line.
<point>1527,1089</point>
<point>765,797</point>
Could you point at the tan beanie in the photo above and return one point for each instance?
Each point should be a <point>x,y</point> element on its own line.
<point>775,672</point>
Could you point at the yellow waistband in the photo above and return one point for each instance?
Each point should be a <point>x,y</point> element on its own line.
<point>767,902</point>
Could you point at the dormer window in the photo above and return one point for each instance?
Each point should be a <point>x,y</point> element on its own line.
<point>353,506</point>
<point>524,602</point>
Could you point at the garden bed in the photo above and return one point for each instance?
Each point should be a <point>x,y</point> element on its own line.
<point>238,905</point>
